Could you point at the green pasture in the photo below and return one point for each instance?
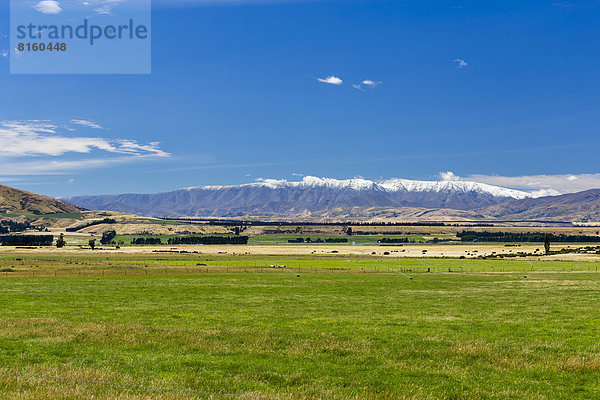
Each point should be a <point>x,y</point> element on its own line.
<point>71,263</point>
<point>326,334</point>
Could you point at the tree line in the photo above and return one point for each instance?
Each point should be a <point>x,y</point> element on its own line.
<point>318,240</point>
<point>393,240</point>
<point>532,237</point>
<point>185,240</point>
<point>208,240</point>
<point>233,222</point>
<point>26,240</point>
<point>91,223</point>
<point>7,226</point>
<point>146,241</point>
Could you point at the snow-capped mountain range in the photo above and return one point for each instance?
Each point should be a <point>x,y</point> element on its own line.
<point>389,185</point>
<point>269,197</point>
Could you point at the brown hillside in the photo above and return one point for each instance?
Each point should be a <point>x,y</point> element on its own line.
<point>15,201</point>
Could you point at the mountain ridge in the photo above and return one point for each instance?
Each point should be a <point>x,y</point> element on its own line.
<point>581,207</point>
<point>389,185</point>
<point>313,195</point>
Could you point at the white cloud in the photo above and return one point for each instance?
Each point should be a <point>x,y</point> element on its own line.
<point>35,138</point>
<point>460,63</point>
<point>41,148</point>
<point>48,7</point>
<point>537,185</point>
<point>545,193</point>
<point>448,176</point>
<point>366,83</point>
<point>332,80</point>
<point>4,53</point>
<point>89,124</point>
<point>370,83</point>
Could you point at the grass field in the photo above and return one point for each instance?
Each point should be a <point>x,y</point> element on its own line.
<point>75,264</point>
<point>335,332</point>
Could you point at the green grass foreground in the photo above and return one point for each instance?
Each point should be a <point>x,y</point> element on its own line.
<point>320,335</point>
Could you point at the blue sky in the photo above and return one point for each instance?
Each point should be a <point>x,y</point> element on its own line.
<point>503,92</point>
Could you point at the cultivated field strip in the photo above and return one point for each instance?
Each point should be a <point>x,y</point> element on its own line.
<point>97,265</point>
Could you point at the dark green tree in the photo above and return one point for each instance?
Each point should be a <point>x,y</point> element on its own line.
<point>60,242</point>
<point>547,244</point>
<point>107,237</point>
<point>92,243</point>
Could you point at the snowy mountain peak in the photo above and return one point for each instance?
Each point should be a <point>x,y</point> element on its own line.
<point>390,186</point>
<point>313,181</point>
<point>393,185</point>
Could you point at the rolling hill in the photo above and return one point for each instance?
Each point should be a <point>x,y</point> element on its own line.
<point>574,207</point>
<point>15,201</point>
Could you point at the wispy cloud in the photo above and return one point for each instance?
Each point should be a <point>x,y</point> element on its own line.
<point>33,138</point>
<point>105,7</point>
<point>460,63</point>
<point>89,124</point>
<point>221,2</point>
<point>48,7</point>
<point>563,4</point>
<point>537,185</point>
<point>4,53</point>
<point>5,179</point>
<point>368,83</point>
<point>332,80</point>
<point>104,10</point>
<point>65,167</point>
<point>43,148</point>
